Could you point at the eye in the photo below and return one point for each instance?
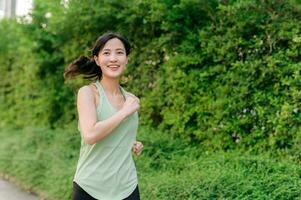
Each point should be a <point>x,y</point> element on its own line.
<point>106,53</point>
<point>120,52</point>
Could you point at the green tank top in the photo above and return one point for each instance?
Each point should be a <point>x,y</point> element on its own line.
<point>106,169</point>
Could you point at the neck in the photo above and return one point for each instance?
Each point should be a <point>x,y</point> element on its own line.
<point>111,86</point>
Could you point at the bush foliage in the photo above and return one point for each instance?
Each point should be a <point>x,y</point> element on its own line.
<point>167,169</point>
<point>221,73</point>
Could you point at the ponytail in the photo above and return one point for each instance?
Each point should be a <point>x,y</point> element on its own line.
<point>83,66</point>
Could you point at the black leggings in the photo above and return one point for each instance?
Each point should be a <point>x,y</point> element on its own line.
<point>80,194</point>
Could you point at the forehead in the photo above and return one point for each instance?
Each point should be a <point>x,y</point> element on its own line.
<point>113,44</point>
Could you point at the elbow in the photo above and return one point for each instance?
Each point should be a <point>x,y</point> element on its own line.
<point>89,139</point>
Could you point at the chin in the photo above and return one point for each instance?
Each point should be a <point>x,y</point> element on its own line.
<point>113,75</point>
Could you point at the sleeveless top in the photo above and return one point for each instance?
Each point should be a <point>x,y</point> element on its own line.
<point>106,169</point>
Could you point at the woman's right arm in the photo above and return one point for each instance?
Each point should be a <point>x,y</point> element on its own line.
<point>92,130</point>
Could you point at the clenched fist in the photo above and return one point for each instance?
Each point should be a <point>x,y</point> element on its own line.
<point>131,105</point>
<point>137,148</point>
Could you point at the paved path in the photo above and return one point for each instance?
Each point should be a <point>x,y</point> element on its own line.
<point>9,191</point>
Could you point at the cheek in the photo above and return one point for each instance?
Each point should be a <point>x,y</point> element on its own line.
<point>125,61</point>
<point>102,62</point>
<point>98,61</point>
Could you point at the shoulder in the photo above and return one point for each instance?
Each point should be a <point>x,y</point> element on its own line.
<point>88,93</point>
<point>127,93</point>
<point>85,90</point>
<point>88,89</point>
<point>84,96</point>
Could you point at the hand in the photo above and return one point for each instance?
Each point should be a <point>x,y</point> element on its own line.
<point>131,105</point>
<point>137,148</point>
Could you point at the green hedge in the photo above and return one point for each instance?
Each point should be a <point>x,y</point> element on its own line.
<point>44,161</point>
<point>221,73</point>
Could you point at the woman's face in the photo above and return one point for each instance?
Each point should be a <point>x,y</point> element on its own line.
<point>112,59</point>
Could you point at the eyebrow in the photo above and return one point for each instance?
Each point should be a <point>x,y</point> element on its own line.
<point>115,49</point>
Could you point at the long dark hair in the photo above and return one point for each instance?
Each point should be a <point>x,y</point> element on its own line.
<point>87,66</point>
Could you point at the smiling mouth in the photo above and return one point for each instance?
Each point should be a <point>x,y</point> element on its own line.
<point>113,67</point>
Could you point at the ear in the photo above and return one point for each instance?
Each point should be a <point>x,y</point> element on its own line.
<point>96,60</point>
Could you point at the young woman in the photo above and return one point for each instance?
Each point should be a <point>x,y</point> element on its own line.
<point>108,122</point>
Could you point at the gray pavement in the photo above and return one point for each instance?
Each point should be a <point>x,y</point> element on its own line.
<point>9,191</point>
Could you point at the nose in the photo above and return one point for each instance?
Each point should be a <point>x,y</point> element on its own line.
<point>113,57</point>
